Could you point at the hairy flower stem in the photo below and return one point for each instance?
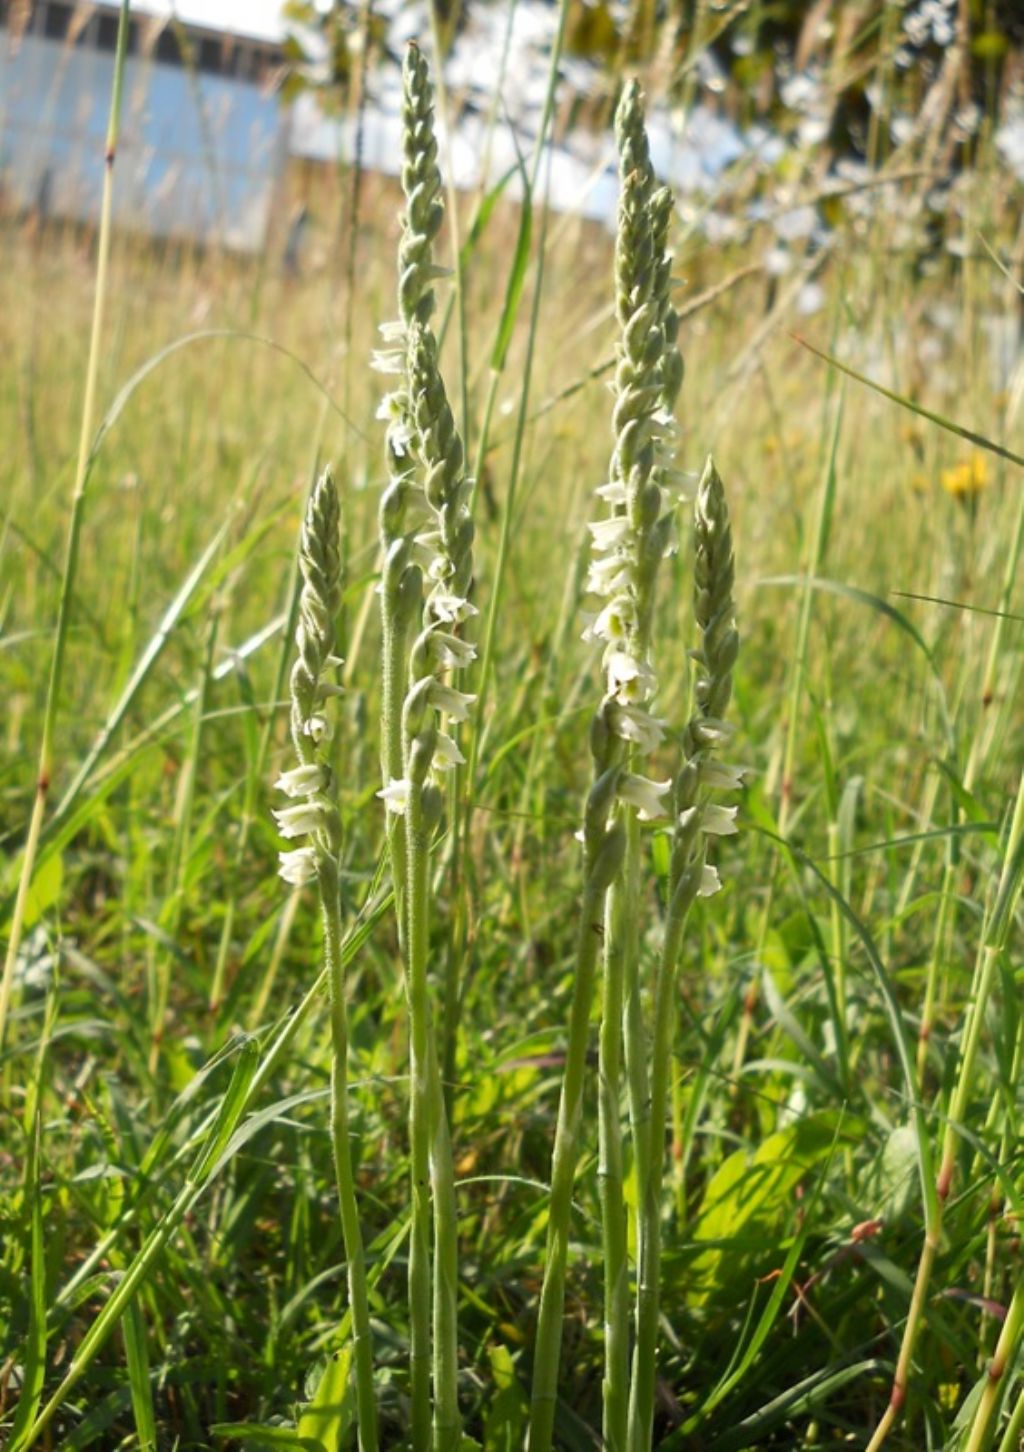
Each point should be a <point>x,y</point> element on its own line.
<point>714,573</point>
<point>986,968</point>
<point>362,1336</point>
<point>615,1242</point>
<point>83,468</point>
<point>312,787</point>
<point>420,1123</point>
<point>600,866</point>
<point>641,1409</point>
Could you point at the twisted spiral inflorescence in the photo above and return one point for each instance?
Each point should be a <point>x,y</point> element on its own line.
<point>448,555</point>
<point>310,783</point>
<point>320,564</point>
<point>421,221</point>
<point>421,183</point>
<point>630,543</point>
<point>714,609</point>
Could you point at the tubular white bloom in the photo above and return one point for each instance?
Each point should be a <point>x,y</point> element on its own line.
<point>450,608</point>
<point>614,622</point>
<point>614,492</point>
<point>392,410</point>
<point>387,360</point>
<point>684,481</point>
<point>453,703</point>
<point>318,728</point>
<point>300,820</point>
<point>719,821</point>
<point>607,533</point>
<point>298,867</point>
<point>395,795</point>
<point>713,732</point>
<point>393,331</point>
<point>644,794</point>
<point>629,680</point>
<point>633,723</point>
<point>608,575</point>
<point>449,650</point>
<point>710,882</point>
<point>447,753</point>
<point>301,781</point>
<point>718,776</point>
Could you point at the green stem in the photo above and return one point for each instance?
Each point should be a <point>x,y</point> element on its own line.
<point>1007,1347</point>
<point>83,469</point>
<point>548,1341</point>
<point>613,1203</point>
<point>433,1175</point>
<point>984,976</point>
<point>641,1405</point>
<point>362,1336</point>
<point>417,990</point>
<point>1014,1428</point>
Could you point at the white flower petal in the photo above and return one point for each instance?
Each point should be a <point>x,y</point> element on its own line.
<point>387,360</point>
<point>710,882</point>
<point>449,650</point>
<point>318,728</point>
<point>719,821</point>
<point>298,867</point>
<point>453,703</point>
<point>395,795</point>
<point>720,777</point>
<point>607,533</point>
<point>447,753</point>
<point>450,608</point>
<point>629,680</point>
<point>301,781</point>
<point>644,794</point>
<point>300,820</point>
<point>633,723</point>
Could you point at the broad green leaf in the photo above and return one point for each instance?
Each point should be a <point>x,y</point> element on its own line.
<point>330,1416</point>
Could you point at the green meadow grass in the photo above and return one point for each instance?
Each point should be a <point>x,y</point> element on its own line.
<point>165,1169</point>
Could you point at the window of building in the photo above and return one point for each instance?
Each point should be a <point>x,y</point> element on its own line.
<point>168,50</point>
<point>56,21</point>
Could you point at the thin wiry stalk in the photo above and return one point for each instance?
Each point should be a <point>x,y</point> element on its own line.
<point>628,546</point>
<point>689,877</point>
<point>401,593</point>
<point>1007,1347</point>
<point>314,817</point>
<point>83,469</point>
<point>989,957</point>
<point>647,379</point>
<point>426,466</point>
<point>603,847</point>
<point>427,750</point>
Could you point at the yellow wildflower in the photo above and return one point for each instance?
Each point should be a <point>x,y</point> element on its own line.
<point>967,479</point>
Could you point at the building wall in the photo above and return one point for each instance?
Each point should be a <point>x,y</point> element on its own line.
<point>200,154</point>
